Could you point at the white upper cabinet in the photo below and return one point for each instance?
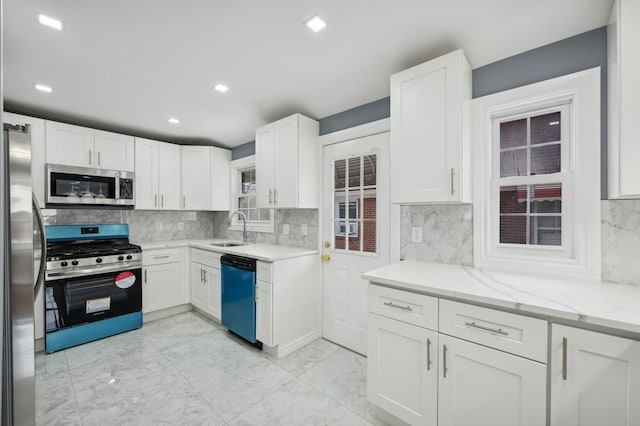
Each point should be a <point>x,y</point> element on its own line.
<point>157,182</point>
<point>205,178</point>
<point>623,65</point>
<point>288,163</point>
<point>595,378</point>
<point>430,147</point>
<point>83,147</point>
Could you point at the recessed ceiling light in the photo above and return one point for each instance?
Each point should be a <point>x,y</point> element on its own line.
<point>220,88</point>
<point>43,88</point>
<point>173,120</point>
<point>50,22</point>
<point>316,24</point>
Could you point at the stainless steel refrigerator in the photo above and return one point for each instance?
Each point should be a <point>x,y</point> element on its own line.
<point>23,260</point>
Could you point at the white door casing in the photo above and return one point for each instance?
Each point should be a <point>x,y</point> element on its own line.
<point>350,253</point>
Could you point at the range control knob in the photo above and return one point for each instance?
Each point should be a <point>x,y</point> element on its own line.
<point>74,262</point>
<point>63,264</point>
<point>120,257</point>
<point>129,257</point>
<point>99,260</point>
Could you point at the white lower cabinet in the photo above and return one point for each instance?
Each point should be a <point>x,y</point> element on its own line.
<point>163,279</point>
<point>595,378</point>
<point>264,312</point>
<point>425,377</point>
<point>206,282</point>
<point>402,370</point>
<point>480,386</point>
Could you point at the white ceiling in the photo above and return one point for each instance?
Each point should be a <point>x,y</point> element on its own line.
<point>129,65</point>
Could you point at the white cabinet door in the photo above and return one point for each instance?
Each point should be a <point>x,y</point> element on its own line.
<point>146,170</point>
<point>168,176</point>
<point>402,370</point>
<point>114,151</point>
<point>196,178</point>
<point>220,178</point>
<point>69,145</point>
<point>162,286</point>
<point>595,379</point>
<point>480,386</point>
<point>264,312</point>
<point>199,292</point>
<point>213,281</point>
<point>429,145</point>
<point>285,193</point>
<point>265,165</point>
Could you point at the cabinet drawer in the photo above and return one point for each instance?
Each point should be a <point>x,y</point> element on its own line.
<point>405,306</point>
<point>264,271</point>
<point>513,333</point>
<point>158,257</point>
<point>209,258</point>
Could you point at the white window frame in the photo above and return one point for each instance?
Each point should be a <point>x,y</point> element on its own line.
<point>580,252</point>
<point>237,166</point>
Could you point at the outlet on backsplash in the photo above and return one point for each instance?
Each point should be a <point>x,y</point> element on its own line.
<point>303,229</point>
<point>416,234</point>
<point>180,226</point>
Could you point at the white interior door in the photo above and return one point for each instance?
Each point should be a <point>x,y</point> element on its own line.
<point>355,218</point>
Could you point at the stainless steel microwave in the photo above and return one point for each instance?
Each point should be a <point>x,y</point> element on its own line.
<point>85,186</point>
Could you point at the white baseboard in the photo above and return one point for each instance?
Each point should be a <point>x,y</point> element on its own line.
<point>281,351</point>
<point>164,313</point>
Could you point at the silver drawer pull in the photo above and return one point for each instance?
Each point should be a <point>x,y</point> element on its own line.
<point>564,358</point>
<point>404,308</point>
<point>428,354</point>
<point>162,257</point>
<point>482,327</point>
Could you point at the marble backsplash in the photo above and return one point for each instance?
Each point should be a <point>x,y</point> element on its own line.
<point>447,233</point>
<point>295,218</point>
<point>144,225</point>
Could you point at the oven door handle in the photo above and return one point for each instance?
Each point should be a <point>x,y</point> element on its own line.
<point>43,246</point>
<point>84,272</point>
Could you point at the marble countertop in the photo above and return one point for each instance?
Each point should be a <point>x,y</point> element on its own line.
<point>265,252</point>
<point>602,304</point>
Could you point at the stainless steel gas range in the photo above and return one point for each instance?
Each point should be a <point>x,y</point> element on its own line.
<point>93,284</point>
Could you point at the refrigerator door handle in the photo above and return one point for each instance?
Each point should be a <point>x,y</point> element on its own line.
<point>43,247</point>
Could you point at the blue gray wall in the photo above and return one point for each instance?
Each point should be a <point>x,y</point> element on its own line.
<point>577,53</point>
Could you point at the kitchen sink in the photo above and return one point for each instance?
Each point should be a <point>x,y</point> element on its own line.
<point>226,244</point>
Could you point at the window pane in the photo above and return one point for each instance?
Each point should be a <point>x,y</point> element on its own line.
<point>252,202</point>
<point>513,163</point>
<point>513,229</point>
<point>243,203</point>
<point>354,235</point>
<point>546,230</point>
<point>369,236</point>
<point>545,128</point>
<point>354,202</point>
<point>545,159</point>
<point>513,199</point>
<point>513,133</point>
<point>370,168</point>
<point>340,206</point>
<point>339,168</point>
<point>369,207</point>
<point>551,191</point>
<point>246,213</point>
<point>354,172</point>
<point>253,214</point>
<point>248,178</point>
<point>265,214</point>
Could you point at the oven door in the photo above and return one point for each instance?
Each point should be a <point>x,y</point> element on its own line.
<point>79,300</point>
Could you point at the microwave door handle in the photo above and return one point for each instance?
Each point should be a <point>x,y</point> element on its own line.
<point>117,196</point>
<point>43,246</point>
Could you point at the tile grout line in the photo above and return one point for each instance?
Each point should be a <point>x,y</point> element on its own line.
<point>73,385</point>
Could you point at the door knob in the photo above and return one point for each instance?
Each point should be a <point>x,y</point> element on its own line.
<point>326,258</point>
<point>327,244</point>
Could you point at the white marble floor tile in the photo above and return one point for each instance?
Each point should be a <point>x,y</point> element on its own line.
<point>52,363</point>
<point>54,394</point>
<point>306,357</point>
<point>343,376</point>
<point>66,414</point>
<point>297,403</point>
<point>169,332</point>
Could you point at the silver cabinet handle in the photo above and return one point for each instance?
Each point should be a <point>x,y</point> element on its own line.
<point>99,161</point>
<point>162,200</point>
<point>201,275</point>
<point>90,157</point>
<point>404,308</point>
<point>428,354</point>
<point>444,361</point>
<point>162,257</point>
<point>205,275</point>
<point>155,200</point>
<point>184,201</point>
<point>145,276</point>
<point>452,189</point>
<point>482,327</point>
<point>270,196</point>
<point>275,196</point>
<point>564,358</point>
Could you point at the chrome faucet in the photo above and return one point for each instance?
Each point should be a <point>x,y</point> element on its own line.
<point>244,224</point>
